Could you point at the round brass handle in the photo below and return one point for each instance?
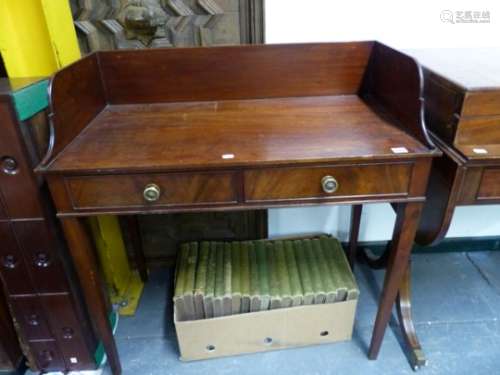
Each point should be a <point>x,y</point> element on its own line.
<point>151,192</point>
<point>42,260</point>
<point>329,184</point>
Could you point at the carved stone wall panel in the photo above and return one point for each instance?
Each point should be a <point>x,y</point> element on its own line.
<point>117,24</point>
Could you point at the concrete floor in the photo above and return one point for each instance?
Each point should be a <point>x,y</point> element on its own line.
<point>456,298</point>
<point>456,309</point>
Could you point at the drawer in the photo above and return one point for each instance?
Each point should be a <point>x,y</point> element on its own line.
<point>41,256</point>
<point>323,183</point>
<point>489,186</point>
<point>30,316</point>
<point>13,270</point>
<point>47,355</point>
<point>173,189</point>
<point>18,185</point>
<point>66,329</point>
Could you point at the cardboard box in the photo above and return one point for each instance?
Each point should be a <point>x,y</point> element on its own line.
<point>265,330</point>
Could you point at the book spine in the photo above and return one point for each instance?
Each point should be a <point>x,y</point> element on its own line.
<point>325,271</point>
<point>346,273</point>
<point>236,277</point>
<point>245,277</point>
<point>219,279</point>
<point>284,278</point>
<point>227,300</point>
<point>319,290</point>
<point>201,280</point>
<point>263,269</point>
<point>190,280</point>
<point>208,300</point>
<point>255,298</point>
<point>305,272</point>
<point>274,285</point>
<point>293,273</point>
<point>180,281</point>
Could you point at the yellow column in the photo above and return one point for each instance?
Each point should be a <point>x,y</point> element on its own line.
<point>37,37</point>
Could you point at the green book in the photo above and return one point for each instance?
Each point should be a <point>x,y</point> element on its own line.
<point>190,280</point>
<point>326,272</point>
<point>293,273</point>
<point>304,272</point>
<point>338,259</point>
<point>255,297</point>
<point>208,300</point>
<point>263,274</point>
<point>317,282</point>
<point>227,301</point>
<point>245,277</point>
<point>180,281</point>
<point>274,284</point>
<point>201,280</point>
<point>219,279</point>
<point>236,277</point>
<point>283,277</point>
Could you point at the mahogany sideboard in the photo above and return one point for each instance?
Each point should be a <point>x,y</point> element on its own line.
<point>51,322</point>
<point>134,132</point>
<point>463,117</point>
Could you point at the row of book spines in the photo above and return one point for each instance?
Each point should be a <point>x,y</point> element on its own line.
<point>260,275</point>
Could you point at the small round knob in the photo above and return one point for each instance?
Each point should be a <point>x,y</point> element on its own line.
<point>9,165</point>
<point>9,261</point>
<point>33,320</point>
<point>68,333</point>
<point>329,184</point>
<point>151,192</point>
<point>42,260</point>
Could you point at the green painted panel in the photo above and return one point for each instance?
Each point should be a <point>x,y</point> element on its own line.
<point>31,99</point>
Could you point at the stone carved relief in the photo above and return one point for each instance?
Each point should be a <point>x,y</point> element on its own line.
<point>113,24</point>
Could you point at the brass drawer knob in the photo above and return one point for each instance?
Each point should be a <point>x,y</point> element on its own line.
<point>329,184</point>
<point>9,261</point>
<point>151,192</point>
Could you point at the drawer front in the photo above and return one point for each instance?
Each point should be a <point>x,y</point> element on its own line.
<point>67,331</point>
<point>176,189</point>
<point>29,314</point>
<point>13,270</point>
<point>285,184</point>
<point>47,355</point>
<point>489,187</point>
<point>41,256</point>
<point>17,181</point>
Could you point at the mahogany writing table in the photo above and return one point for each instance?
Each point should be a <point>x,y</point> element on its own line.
<point>231,128</point>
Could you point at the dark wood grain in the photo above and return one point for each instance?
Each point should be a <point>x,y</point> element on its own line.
<point>14,273</point>
<point>240,72</point>
<point>290,184</point>
<point>76,97</point>
<point>175,189</point>
<point>16,188</point>
<point>272,131</point>
<point>407,219</point>
<point>85,261</point>
<point>356,211</point>
<point>401,98</point>
<point>10,352</point>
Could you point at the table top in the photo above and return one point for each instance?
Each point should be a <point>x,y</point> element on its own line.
<point>234,133</point>
<point>469,68</point>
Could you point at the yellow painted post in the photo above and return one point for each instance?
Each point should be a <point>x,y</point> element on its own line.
<point>24,39</point>
<point>37,37</point>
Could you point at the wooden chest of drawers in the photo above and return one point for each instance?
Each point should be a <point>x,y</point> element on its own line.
<point>36,277</point>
